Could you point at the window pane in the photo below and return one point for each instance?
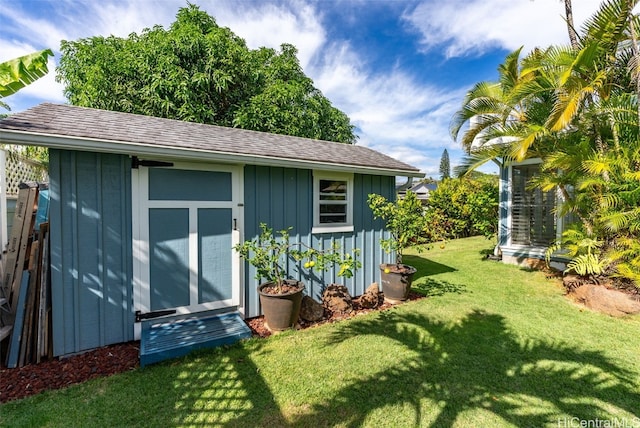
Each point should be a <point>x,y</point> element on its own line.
<point>333,186</point>
<point>333,218</point>
<point>333,209</point>
<point>332,197</point>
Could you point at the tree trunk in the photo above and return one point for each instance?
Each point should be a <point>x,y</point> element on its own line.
<point>573,36</point>
<point>635,73</point>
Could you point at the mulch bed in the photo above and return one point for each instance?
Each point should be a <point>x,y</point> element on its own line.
<point>59,373</point>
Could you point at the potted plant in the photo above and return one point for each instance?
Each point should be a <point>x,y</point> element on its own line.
<point>281,297</point>
<point>406,223</point>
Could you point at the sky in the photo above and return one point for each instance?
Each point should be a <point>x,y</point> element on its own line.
<point>398,68</point>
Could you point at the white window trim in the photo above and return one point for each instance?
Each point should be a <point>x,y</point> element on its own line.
<point>335,227</point>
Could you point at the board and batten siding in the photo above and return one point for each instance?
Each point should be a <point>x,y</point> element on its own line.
<point>91,250</point>
<point>282,198</point>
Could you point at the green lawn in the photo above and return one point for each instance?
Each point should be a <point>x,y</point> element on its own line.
<point>493,345</point>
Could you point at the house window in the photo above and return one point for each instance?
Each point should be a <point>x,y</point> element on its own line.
<point>533,217</point>
<point>333,202</point>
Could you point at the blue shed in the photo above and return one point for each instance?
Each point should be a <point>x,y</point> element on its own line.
<point>144,213</point>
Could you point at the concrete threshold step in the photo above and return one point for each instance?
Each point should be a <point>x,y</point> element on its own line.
<point>165,338</point>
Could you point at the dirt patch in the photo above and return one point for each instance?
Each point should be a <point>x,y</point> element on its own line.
<point>59,373</point>
<point>599,298</point>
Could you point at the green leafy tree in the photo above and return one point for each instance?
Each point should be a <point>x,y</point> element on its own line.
<point>461,207</point>
<point>405,221</point>
<point>200,72</point>
<point>269,254</point>
<point>445,166</point>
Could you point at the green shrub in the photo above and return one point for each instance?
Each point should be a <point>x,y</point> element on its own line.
<point>462,207</point>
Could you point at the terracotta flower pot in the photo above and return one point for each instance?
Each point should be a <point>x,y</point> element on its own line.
<point>396,281</point>
<point>281,311</point>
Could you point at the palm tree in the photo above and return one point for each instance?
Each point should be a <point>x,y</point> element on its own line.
<point>576,108</point>
<point>549,91</point>
<point>573,36</point>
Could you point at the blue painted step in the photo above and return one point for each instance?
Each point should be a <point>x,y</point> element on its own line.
<point>163,339</point>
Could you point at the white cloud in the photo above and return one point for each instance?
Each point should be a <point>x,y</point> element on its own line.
<point>394,113</point>
<point>270,25</point>
<point>472,27</point>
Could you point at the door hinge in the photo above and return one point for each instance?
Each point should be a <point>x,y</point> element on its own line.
<point>135,163</point>
<point>153,314</point>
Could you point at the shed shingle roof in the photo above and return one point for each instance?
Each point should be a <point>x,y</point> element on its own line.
<point>65,126</point>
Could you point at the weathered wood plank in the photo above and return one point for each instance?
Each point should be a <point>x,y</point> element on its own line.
<point>27,228</point>
<point>11,257</point>
<point>42,308</point>
<point>26,345</point>
<point>16,336</point>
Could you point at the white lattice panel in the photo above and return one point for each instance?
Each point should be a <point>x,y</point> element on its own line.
<point>20,169</point>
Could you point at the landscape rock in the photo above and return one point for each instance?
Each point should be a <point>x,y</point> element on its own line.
<point>311,310</point>
<point>599,298</point>
<point>336,298</point>
<point>371,297</point>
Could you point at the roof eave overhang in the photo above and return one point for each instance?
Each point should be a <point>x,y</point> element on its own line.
<point>184,154</point>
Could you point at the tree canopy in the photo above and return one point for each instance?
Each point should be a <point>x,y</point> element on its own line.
<point>200,72</point>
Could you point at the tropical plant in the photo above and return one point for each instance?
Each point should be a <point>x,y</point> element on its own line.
<point>15,74</point>
<point>200,72</point>
<point>583,249</point>
<point>405,221</point>
<point>19,72</point>
<point>269,254</point>
<point>574,107</point>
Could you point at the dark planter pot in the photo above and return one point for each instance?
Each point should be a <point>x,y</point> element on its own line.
<point>281,311</point>
<point>396,284</point>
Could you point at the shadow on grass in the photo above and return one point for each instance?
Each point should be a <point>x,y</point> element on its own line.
<point>430,287</point>
<point>223,389</point>
<point>476,363</point>
<point>437,372</point>
<point>426,267</point>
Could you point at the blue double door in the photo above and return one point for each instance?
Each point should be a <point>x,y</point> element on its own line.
<point>184,257</point>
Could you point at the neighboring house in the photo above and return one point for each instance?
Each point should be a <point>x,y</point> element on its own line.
<point>144,213</point>
<point>528,216</point>
<point>422,191</point>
